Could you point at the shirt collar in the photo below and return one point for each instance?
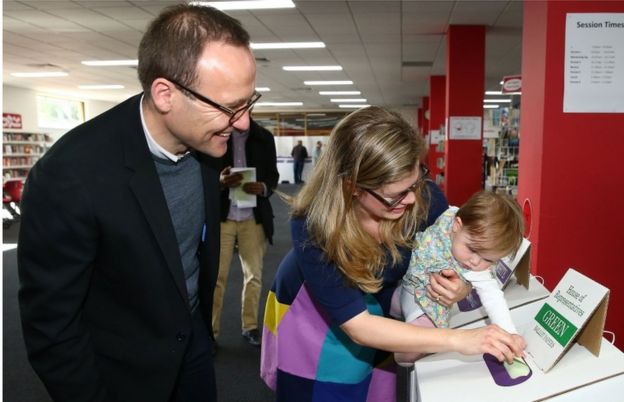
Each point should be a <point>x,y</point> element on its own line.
<point>154,147</point>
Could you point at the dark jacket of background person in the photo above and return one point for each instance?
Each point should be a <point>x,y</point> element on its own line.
<point>111,320</point>
<point>260,153</point>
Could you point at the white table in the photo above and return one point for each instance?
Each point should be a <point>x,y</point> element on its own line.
<point>578,376</point>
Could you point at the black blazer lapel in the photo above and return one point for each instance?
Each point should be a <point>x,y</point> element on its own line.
<point>146,186</point>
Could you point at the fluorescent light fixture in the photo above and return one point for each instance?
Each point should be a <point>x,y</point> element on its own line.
<point>353,106</point>
<point>312,68</point>
<point>348,100</point>
<point>263,89</point>
<point>100,63</point>
<point>279,104</point>
<point>497,100</point>
<point>491,106</point>
<point>339,92</point>
<point>501,93</point>
<point>287,45</point>
<point>41,74</point>
<point>246,5</point>
<point>327,82</point>
<point>111,86</point>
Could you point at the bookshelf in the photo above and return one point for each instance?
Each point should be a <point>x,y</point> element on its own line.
<point>20,151</point>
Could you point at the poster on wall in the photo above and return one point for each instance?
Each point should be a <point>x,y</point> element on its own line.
<point>594,63</point>
<point>11,120</point>
<point>465,128</point>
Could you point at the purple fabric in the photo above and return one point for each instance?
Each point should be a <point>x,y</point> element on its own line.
<point>268,358</point>
<point>382,387</point>
<point>499,373</point>
<point>302,362</point>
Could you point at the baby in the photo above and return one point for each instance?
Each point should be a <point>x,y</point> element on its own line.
<point>470,240</point>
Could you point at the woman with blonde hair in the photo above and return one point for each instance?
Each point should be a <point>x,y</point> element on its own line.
<point>327,333</point>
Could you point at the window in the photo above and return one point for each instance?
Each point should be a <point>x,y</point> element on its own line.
<point>59,113</point>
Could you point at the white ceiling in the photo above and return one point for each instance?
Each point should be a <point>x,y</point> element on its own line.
<point>371,40</point>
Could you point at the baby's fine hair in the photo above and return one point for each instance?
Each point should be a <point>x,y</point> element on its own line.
<point>494,222</point>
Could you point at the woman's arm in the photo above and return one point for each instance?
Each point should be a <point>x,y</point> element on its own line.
<point>396,336</point>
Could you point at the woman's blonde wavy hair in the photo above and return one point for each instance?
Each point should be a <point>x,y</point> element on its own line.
<point>368,149</point>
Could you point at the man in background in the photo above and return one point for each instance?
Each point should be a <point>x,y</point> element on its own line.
<point>119,242</point>
<point>318,151</point>
<point>249,227</point>
<point>299,154</point>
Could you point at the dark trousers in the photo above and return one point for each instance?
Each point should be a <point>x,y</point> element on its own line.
<point>298,166</point>
<point>196,381</point>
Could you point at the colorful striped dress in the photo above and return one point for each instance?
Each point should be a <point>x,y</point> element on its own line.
<point>306,357</point>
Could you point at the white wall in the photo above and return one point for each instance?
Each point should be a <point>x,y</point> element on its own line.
<point>24,102</point>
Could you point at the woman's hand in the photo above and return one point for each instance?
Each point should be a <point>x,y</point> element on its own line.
<point>491,339</point>
<point>447,288</point>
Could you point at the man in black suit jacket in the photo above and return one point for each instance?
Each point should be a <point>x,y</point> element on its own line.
<point>251,227</point>
<point>119,242</point>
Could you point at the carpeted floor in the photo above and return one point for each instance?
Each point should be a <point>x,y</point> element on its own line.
<point>237,363</point>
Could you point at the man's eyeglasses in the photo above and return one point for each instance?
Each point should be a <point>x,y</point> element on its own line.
<point>393,202</point>
<point>234,114</point>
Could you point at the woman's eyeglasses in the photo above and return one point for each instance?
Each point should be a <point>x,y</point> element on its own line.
<point>390,203</point>
<point>234,114</point>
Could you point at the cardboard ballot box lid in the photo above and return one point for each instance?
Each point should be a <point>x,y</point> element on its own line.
<point>576,310</point>
<point>455,377</point>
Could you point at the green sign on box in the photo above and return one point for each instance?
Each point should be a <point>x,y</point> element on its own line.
<point>555,324</point>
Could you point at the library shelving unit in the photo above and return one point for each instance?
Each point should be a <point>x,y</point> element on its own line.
<point>20,152</point>
<point>501,150</point>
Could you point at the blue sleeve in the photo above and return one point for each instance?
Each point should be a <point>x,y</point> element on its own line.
<point>327,285</point>
<point>437,204</point>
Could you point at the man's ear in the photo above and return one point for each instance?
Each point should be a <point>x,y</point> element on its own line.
<point>162,92</point>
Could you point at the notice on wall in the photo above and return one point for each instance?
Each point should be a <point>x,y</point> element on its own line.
<point>594,63</point>
<point>436,137</point>
<point>575,310</point>
<point>465,128</point>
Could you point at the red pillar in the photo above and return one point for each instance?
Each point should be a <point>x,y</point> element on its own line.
<point>437,105</point>
<point>571,174</point>
<point>465,71</point>
<point>420,117</point>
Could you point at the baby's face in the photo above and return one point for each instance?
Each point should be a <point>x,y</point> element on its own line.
<point>465,254</point>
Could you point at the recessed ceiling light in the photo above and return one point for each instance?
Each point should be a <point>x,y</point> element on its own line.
<point>110,62</point>
<point>279,104</point>
<point>263,89</point>
<point>246,5</point>
<point>328,82</point>
<point>497,100</point>
<point>491,106</point>
<point>287,45</point>
<point>111,86</point>
<point>339,92</point>
<point>348,100</point>
<point>41,74</point>
<point>312,68</point>
<point>353,106</point>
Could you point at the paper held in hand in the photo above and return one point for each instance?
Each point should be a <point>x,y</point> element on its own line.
<point>238,196</point>
<point>575,310</point>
